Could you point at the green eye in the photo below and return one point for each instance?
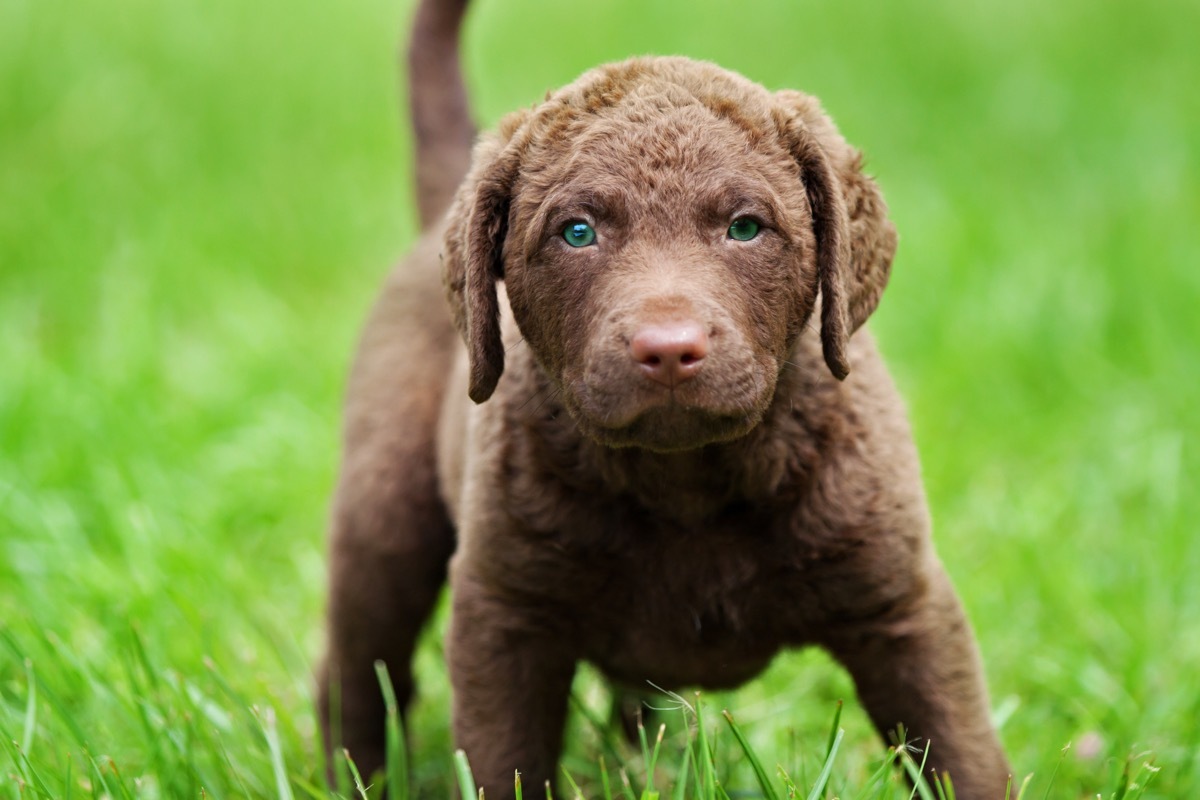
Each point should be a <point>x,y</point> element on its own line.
<point>743,229</point>
<point>579,234</point>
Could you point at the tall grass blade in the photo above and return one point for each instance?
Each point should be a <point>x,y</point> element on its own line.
<point>1025,786</point>
<point>627,785</point>
<point>1054,774</point>
<point>653,762</point>
<point>682,774</point>
<point>707,779</point>
<point>944,787</point>
<point>358,781</point>
<point>764,781</point>
<point>879,777</point>
<point>834,729</point>
<point>466,781</point>
<point>916,772</point>
<point>140,700</point>
<point>645,746</point>
<point>59,707</point>
<point>578,794</point>
<point>341,769</point>
<point>1122,782</point>
<point>28,774</point>
<point>30,709</point>
<point>1141,784</point>
<point>604,733</point>
<point>397,756</point>
<point>604,783</point>
<point>818,790</point>
<point>282,788</point>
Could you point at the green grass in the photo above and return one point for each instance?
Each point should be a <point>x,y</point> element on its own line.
<point>197,201</point>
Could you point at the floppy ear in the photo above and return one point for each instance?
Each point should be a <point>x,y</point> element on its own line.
<point>472,261</point>
<point>855,240</point>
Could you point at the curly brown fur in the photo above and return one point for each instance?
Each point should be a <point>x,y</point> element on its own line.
<point>669,515</point>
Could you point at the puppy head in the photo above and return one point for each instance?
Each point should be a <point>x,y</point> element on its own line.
<point>663,228</point>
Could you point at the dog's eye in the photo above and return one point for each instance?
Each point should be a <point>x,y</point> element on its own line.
<point>743,229</point>
<point>579,234</point>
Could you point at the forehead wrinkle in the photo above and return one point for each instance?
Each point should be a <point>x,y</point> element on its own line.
<point>600,199</point>
<point>656,147</point>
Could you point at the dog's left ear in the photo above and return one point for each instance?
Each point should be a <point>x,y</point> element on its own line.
<point>855,240</point>
<point>472,261</point>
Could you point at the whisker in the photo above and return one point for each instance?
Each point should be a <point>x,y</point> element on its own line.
<point>547,399</point>
<point>546,394</point>
<point>532,397</point>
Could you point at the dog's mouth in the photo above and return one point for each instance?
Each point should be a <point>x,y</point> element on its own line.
<point>662,419</point>
<point>673,431</point>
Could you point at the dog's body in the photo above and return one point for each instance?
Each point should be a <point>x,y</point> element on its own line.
<point>669,480</point>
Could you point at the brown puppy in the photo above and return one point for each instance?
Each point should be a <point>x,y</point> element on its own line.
<point>656,273</point>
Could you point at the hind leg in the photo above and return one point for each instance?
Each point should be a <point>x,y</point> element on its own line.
<point>391,537</point>
<point>388,564</point>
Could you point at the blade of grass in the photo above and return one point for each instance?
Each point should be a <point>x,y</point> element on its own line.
<point>140,699</point>
<point>574,786</point>
<point>604,779</point>
<point>397,758</point>
<point>604,733</point>
<point>627,786</point>
<point>30,709</point>
<point>818,790</point>
<point>707,780</point>
<point>341,773</point>
<point>1142,784</point>
<point>28,773</point>
<point>1061,757</point>
<point>916,773</point>
<point>834,730</point>
<point>681,776</point>
<point>879,776</point>
<point>282,787</point>
<point>645,746</point>
<point>944,787</point>
<point>653,762</point>
<point>59,708</point>
<point>358,781</point>
<point>466,781</point>
<point>764,781</point>
<point>99,773</point>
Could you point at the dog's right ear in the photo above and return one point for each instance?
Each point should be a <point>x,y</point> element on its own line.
<point>473,259</point>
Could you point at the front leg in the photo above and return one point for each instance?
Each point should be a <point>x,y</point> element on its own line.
<point>511,673</point>
<point>917,665</point>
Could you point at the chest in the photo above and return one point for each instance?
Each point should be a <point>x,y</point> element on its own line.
<point>707,604</point>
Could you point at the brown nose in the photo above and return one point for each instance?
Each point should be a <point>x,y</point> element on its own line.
<point>669,353</point>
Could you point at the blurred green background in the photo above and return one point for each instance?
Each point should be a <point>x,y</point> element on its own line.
<point>197,201</point>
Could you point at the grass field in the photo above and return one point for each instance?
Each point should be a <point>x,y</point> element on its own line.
<point>197,201</point>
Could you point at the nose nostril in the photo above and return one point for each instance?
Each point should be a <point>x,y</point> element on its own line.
<point>669,352</point>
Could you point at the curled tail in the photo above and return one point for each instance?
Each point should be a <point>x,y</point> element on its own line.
<point>438,101</point>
